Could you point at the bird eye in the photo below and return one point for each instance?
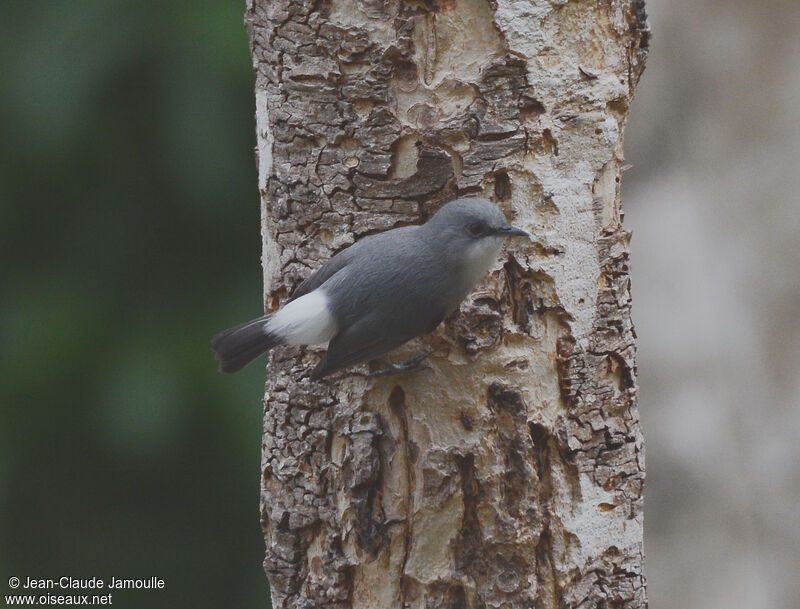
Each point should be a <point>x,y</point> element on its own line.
<point>475,228</point>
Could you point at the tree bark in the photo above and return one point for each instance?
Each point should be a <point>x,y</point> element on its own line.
<point>510,473</point>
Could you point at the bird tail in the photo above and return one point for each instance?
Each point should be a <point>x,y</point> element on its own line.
<point>238,346</point>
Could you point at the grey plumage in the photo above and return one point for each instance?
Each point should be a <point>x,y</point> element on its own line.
<point>382,291</point>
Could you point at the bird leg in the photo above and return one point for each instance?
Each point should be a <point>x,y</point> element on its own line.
<point>413,364</point>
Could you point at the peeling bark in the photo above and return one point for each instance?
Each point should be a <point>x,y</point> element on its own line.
<point>510,473</point>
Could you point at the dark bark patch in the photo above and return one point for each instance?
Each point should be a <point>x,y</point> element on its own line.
<point>640,24</point>
<point>361,473</point>
<point>547,591</point>
<point>406,75</point>
<point>397,401</point>
<point>470,536</point>
<point>531,108</point>
<point>510,415</point>
<point>550,143</point>
<point>434,171</point>
<point>502,186</point>
<point>531,296</point>
<point>479,325</point>
<point>546,595</point>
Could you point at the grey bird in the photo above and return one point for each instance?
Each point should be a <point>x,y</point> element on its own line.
<point>380,292</point>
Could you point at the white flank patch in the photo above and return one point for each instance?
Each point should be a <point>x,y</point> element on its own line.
<point>305,321</point>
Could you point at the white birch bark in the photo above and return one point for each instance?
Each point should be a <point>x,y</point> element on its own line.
<point>510,473</point>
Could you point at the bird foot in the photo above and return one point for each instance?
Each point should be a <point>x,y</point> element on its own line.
<point>408,366</point>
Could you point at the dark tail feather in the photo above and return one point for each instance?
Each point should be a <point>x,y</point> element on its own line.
<point>238,346</point>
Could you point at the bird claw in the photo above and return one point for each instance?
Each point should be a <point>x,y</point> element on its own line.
<point>405,367</point>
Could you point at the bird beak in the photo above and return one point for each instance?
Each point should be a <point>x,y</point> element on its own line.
<point>511,231</point>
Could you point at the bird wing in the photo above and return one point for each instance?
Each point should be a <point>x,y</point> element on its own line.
<point>368,338</point>
<point>323,273</point>
<point>358,343</point>
<point>381,245</point>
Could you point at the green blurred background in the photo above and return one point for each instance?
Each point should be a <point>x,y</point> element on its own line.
<point>129,228</point>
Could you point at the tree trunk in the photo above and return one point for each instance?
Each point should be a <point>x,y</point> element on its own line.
<point>510,473</point>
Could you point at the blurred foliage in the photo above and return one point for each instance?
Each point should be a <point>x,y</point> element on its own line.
<point>129,235</point>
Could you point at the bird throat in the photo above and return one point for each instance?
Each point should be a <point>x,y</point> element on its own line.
<point>480,257</point>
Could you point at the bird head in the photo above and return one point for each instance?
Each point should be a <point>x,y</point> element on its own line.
<point>471,230</point>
